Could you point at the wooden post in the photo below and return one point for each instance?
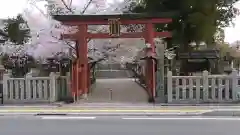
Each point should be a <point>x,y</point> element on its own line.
<point>83,59</point>
<point>78,79</point>
<point>74,81</point>
<point>88,78</point>
<point>151,71</point>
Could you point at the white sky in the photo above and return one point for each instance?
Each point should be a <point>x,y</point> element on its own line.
<point>9,8</point>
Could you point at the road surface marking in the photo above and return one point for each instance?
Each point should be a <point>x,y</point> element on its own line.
<point>129,113</point>
<point>219,109</point>
<point>103,110</point>
<point>16,117</point>
<point>16,113</point>
<point>187,118</point>
<point>66,118</point>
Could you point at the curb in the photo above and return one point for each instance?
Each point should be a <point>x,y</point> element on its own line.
<point>118,114</point>
<point>86,110</point>
<point>104,112</point>
<point>202,104</point>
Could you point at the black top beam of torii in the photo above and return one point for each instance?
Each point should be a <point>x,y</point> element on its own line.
<point>125,16</point>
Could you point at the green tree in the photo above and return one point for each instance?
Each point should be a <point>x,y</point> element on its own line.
<point>3,35</point>
<point>219,36</point>
<point>195,20</point>
<point>16,30</point>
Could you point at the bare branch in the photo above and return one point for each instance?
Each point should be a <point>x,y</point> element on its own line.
<point>70,3</point>
<point>67,7</point>
<point>67,43</point>
<point>40,10</point>
<point>86,7</point>
<point>71,10</point>
<point>84,10</point>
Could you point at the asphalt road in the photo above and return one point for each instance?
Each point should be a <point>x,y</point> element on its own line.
<point>53,125</point>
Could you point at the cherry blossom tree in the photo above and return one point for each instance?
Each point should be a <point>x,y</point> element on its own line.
<point>46,33</point>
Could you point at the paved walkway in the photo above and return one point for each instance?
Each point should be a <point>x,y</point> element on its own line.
<point>122,90</point>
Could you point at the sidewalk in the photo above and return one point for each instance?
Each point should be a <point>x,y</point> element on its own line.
<point>87,108</point>
<point>113,109</point>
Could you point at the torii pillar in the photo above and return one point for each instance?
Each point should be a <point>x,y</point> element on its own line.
<point>149,39</point>
<point>82,66</point>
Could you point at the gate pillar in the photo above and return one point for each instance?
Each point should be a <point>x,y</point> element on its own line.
<point>83,60</point>
<point>150,74</point>
<point>88,78</point>
<point>74,81</point>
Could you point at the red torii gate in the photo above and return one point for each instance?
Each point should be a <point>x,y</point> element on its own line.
<point>80,70</point>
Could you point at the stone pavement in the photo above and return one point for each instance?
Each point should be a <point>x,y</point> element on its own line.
<point>117,90</point>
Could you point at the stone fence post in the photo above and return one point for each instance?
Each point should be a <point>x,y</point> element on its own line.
<point>169,86</point>
<point>53,87</point>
